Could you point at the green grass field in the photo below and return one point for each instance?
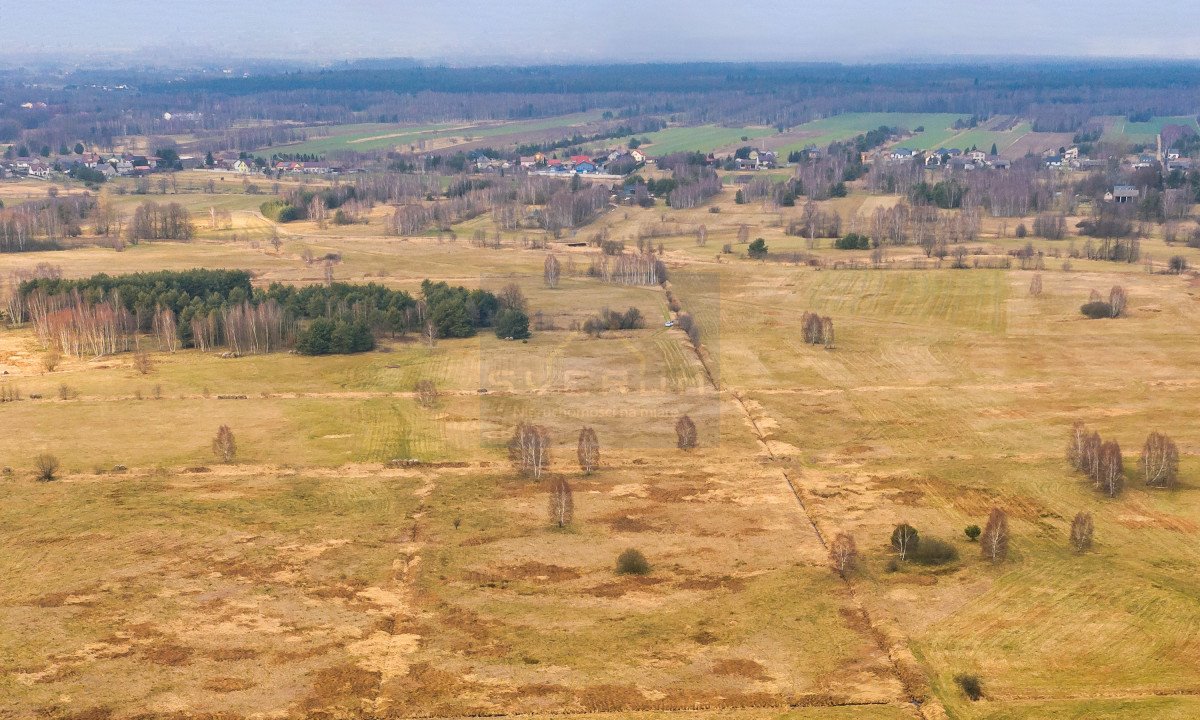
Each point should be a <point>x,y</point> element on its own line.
<point>1121,130</point>
<point>843,127</point>
<point>364,137</point>
<point>704,138</point>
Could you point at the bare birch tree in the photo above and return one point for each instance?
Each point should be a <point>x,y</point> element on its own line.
<point>1160,461</point>
<point>224,446</point>
<point>1110,470</point>
<point>529,449</point>
<point>588,451</point>
<point>905,539</point>
<point>994,540</point>
<point>562,502</point>
<point>1035,286</point>
<point>843,553</point>
<point>1081,531</point>
<point>551,271</point>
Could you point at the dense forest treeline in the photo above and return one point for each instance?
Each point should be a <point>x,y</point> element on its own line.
<point>208,309</point>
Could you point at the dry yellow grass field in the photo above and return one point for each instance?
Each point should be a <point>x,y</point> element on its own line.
<point>314,577</point>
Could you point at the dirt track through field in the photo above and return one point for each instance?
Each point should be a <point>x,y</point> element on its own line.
<point>892,643</point>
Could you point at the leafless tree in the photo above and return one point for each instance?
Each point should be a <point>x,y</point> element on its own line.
<point>45,467</point>
<point>994,541</point>
<point>1160,461</point>
<point>429,332</point>
<point>685,431</point>
<point>529,449</point>
<point>1081,531</point>
<point>1035,286</point>
<point>1110,470</point>
<point>562,502</point>
<point>51,360</point>
<point>142,362</point>
<point>702,235</point>
<point>588,451</point>
<point>510,296</point>
<point>1075,443</point>
<point>743,234</point>
<point>426,392</point>
<point>223,445</point>
<point>1118,300</point>
<point>843,553</point>
<point>905,539</point>
<point>827,331</point>
<point>1090,459</point>
<point>551,271</point>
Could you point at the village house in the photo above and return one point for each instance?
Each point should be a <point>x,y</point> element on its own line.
<point>639,156</point>
<point>1122,194</point>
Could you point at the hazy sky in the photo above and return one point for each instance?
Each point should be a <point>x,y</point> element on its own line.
<point>606,30</point>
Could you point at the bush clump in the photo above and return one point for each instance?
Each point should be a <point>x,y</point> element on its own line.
<point>632,562</point>
<point>970,685</point>
<point>852,241</point>
<point>972,532</point>
<point>280,211</point>
<point>1097,309</point>
<point>933,551</point>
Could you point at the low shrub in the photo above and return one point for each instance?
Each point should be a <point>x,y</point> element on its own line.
<point>933,551</point>
<point>1096,309</point>
<point>972,532</point>
<point>970,685</point>
<point>632,562</point>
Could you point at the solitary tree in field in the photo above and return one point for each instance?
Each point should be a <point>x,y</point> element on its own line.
<point>1110,470</point>
<point>551,271</point>
<point>843,553</point>
<point>994,541</point>
<point>905,539</point>
<point>1035,286</point>
<point>1160,461</point>
<point>426,393</point>
<point>529,449</point>
<point>1081,531</point>
<point>685,431</point>
<point>224,446</point>
<point>562,502</point>
<point>588,451</point>
<point>45,467</point>
<point>827,331</point>
<point>1117,299</point>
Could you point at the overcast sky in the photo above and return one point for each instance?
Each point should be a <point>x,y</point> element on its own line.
<point>466,31</point>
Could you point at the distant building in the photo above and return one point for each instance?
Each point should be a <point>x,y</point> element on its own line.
<point>1122,194</point>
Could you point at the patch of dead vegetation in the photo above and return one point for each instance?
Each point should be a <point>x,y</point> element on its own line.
<point>741,668</point>
<point>712,582</point>
<point>627,584</point>
<point>230,654</point>
<point>340,683</point>
<point>167,653</point>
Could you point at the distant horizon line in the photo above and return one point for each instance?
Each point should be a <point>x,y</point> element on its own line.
<point>176,57</point>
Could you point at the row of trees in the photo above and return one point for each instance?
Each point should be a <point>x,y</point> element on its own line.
<point>1102,461</point>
